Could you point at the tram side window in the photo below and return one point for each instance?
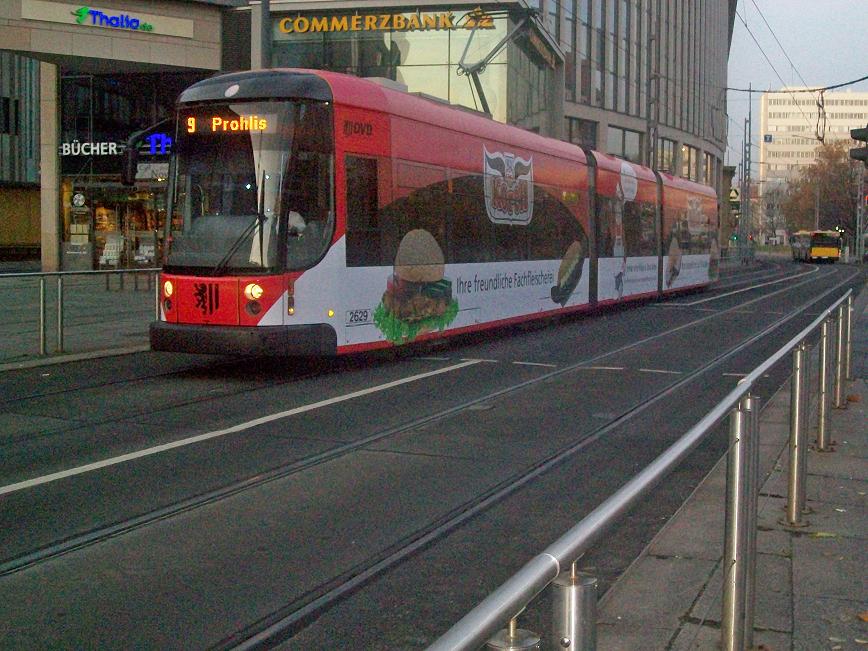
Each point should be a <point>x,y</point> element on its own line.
<point>554,227</point>
<point>363,227</point>
<point>470,232</point>
<point>606,224</point>
<point>639,234</point>
<point>422,204</point>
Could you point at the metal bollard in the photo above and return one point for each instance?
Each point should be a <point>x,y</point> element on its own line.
<point>796,488</point>
<point>513,639</point>
<point>574,610</point>
<point>806,418</point>
<point>735,544</point>
<point>848,357</point>
<point>839,361</point>
<point>823,434</point>
<point>43,325</point>
<point>751,405</point>
<point>60,314</point>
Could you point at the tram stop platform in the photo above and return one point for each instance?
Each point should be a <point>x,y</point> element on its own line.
<point>812,592</point>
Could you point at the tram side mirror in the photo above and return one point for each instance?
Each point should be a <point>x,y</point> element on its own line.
<point>131,162</point>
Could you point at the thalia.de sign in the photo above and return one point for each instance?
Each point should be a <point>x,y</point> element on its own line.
<point>101,19</point>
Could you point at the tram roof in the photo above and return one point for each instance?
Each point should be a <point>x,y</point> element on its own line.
<point>671,182</point>
<point>363,93</point>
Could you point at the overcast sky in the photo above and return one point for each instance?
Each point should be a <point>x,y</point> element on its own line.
<point>826,40</point>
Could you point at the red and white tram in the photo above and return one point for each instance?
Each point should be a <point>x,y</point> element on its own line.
<point>318,213</point>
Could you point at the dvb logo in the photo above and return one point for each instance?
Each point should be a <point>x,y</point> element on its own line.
<point>358,128</point>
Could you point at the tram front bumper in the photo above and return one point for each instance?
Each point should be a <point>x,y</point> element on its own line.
<point>317,339</point>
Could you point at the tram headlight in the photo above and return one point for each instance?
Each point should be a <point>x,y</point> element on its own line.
<point>168,288</point>
<point>253,292</point>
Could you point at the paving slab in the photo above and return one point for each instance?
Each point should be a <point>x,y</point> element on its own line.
<point>828,623</point>
<point>661,592</point>
<point>812,590</point>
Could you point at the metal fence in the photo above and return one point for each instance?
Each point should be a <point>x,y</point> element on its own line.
<point>75,311</point>
<point>494,620</point>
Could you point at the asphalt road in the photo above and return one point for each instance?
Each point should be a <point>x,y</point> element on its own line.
<point>165,501</point>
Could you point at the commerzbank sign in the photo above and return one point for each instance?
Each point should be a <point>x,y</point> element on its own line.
<point>418,21</point>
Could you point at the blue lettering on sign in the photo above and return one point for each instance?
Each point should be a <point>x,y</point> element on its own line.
<point>160,143</point>
<point>120,21</point>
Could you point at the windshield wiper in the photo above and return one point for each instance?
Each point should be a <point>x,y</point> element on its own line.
<point>220,267</point>
<point>258,220</point>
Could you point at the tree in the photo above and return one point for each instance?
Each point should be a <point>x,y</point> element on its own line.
<point>829,182</point>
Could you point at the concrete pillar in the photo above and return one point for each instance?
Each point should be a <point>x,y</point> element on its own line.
<point>557,120</point>
<point>49,165</point>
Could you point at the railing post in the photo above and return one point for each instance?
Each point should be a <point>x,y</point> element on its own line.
<point>513,639</point>
<point>59,313</point>
<point>43,325</point>
<point>848,357</point>
<point>735,547</point>
<point>823,434</point>
<point>156,295</point>
<point>796,489</point>
<point>752,407</point>
<point>839,360</point>
<point>574,611</point>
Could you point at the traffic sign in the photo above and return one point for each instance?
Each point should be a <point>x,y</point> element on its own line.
<point>734,200</point>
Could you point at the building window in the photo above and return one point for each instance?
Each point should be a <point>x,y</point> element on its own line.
<point>582,132</point>
<point>712,168</point>
<point>624,143</point>
<point>665,155</point>
<point>690,162</point>
<point>9,111</point>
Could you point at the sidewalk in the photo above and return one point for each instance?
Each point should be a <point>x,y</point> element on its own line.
<point>812,591</point>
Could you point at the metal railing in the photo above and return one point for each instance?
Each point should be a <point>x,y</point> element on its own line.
<point>42,300</point>
<point>574,611</point>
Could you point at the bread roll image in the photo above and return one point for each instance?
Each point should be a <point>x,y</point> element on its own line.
<point>569,273</point>
<point>419,258</point>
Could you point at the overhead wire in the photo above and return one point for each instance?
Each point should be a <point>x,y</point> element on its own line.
<point>783,83</point>
<point>821,108</point>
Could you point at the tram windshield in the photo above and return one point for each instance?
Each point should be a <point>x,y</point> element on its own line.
<point>253,187</point>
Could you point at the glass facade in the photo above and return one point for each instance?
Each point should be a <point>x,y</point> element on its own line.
<point>423,50</point>
<point>611,48</point>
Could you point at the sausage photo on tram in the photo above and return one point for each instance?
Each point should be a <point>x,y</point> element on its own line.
<point>569,273</point>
